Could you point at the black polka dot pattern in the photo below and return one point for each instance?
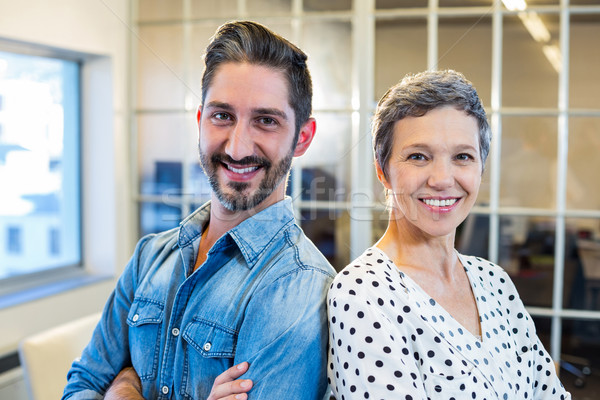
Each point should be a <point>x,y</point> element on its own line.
<point>389,339</point>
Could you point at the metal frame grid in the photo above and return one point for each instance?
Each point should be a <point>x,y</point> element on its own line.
<point>363,17</point>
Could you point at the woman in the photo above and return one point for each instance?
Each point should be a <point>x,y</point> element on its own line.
<point>412,318</point>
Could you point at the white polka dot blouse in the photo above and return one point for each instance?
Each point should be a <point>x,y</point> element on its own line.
<point>388,339</point>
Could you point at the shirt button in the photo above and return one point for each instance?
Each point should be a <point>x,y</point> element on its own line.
<point>136,317</point>
<point>175,332</point>
<point>207,346</point>
<point>165,389</point>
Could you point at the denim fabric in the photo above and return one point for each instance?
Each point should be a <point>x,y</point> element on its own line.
<point>259,297</point>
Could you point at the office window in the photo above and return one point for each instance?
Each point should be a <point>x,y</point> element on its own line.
<point>39,163</point>
<point>13,240</point>
<point>54,241</point>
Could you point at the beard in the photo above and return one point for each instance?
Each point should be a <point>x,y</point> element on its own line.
<point>238,197</point>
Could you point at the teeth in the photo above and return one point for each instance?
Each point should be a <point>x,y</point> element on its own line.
<point>439,203</point>
<point>241,170</point>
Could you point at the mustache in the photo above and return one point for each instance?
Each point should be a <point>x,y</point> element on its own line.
<point>249,160</point>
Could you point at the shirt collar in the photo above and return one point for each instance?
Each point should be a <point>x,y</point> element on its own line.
<point>251,236</point>
<point>254,234</point>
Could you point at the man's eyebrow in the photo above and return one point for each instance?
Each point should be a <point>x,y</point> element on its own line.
<point>270,111</point>
<point>257,111</point>
<point>219,104</point>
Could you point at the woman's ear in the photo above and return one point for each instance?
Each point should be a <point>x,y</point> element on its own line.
<point>381,175</point>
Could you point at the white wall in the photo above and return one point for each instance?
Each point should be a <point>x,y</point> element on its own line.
<point>99,27</point>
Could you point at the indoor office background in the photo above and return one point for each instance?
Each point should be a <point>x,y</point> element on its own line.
<point>533,62</point>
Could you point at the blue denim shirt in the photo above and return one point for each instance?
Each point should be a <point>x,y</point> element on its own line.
<point>258,297</point>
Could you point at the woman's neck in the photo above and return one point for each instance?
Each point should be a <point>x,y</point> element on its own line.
<point>413,249</point>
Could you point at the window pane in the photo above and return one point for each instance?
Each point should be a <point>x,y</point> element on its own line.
<point>201,35</point>
<point>472,236</point>
<point>583,164</point>
<point>462,40</point>
<point>378,189</point>
<point>400,48</point>
<point>584,83</point>
<point>383,4</point>
<point>329,230</point>
<point>379,225</point>
<point>543,326</point>
<point>330,62</point>
<point>161,80</point>
<point>162,140</point>
<point>330,5</point>
<point>528,165</point>
<point>160,10</point>
<point>526,252</point>
<point>213,9</point>
<point>533,3</point>
<point>483,198</point>
<point>326,164</point>
<point>39,164</point>
<point>158,217</point>
<point>582,261</point>
<point>197,189</point>
<point>580,355</point>
<point>585,2</point>
<point>269,7</point>
<point>465,3</point>
<point>529,77</point>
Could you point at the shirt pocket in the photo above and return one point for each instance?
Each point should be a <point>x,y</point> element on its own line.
<point>210,339</point>
<point>210,351</point>
<point>145,323</point>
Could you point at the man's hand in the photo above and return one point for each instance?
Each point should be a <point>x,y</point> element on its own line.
<point>126,386</point>
<point>226,387</point>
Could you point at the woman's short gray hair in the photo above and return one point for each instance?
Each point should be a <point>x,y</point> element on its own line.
<point>417,94</point>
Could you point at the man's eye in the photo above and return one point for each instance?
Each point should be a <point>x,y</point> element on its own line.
<point>221,116</point>
<point>267,121</point>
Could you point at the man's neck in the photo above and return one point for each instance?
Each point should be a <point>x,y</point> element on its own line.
<point>222,220</point>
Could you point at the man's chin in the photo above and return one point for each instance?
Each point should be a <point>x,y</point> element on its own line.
<point>238,200</point>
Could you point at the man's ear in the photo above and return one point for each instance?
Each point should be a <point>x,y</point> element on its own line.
<point>381,175</point>
<point>199,114</point>
<point>305,136</point>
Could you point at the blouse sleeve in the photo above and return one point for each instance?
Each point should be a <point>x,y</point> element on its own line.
<point>367,357</point>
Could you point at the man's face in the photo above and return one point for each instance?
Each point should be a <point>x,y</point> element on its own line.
<point>246,135</point>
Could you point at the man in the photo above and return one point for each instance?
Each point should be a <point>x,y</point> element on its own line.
<point>237,287</point>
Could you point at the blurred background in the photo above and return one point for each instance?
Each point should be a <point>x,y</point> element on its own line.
<point>98,144</point>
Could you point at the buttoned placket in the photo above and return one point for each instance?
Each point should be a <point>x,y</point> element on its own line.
<point>171,341</point>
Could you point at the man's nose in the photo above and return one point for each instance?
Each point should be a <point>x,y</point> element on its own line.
<point>239,143</point>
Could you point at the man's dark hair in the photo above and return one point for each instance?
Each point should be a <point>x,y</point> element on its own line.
<point>253,43</point>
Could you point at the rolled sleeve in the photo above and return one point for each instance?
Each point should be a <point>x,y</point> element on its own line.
<point>108,351</point>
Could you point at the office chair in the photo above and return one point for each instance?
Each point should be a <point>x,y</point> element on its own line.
<point>47,356</point>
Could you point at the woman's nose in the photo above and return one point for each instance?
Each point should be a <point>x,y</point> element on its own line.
<point>441,175</point>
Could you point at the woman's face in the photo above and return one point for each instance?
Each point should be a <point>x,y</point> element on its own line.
<point>434,171</point>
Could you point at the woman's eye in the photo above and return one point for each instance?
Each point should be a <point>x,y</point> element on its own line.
<point>464,157</point>
<point>417,157</point>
